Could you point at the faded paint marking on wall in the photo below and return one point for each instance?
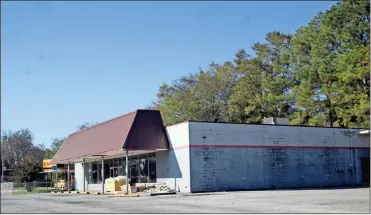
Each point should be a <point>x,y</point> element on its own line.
<point>263,147</point>
<point>240,169</point>
<point>244,157</point>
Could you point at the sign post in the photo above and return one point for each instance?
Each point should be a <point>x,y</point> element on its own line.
<point>48,165</point>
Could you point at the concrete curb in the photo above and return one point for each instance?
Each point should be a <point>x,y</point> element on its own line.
<point>58,192</point>
<point>96,193</point>
<point>123,195</point>
<point>83,193</point>
<point>92,193</point>
<point>162,194</point>
<point>70,192</point>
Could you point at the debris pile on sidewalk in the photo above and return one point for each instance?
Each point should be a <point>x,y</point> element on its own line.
<point>160,189</point>
<point>115,184</point>
<point>120,179</point>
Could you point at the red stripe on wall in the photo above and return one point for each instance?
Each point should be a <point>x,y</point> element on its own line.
<point>180,147</point>
<point>264,147</point>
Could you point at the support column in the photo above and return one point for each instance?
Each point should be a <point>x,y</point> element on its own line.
<point>147,168</point>
<point>56,175</point>
<point>102,174</point>
<point>89,176</point>
<point>68,177</point>
<point>127,170</point>
<point>83,171</point>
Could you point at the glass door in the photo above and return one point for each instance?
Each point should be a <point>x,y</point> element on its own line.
<point>116,171</point>
<point>120,171</point>
<point>112,172</point>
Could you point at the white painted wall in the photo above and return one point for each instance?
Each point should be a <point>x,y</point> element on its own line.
<point>237,156</point>
<point>247,134</point>
<point>94,187</point>
<point>173,166</point>
<point>79,177</point>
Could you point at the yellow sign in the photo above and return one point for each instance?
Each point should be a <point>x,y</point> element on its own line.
<point>47,164</point>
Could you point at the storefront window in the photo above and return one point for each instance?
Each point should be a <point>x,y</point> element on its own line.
<point>152,168</point>
<point>115,167</point>
<point>123,166</point>
<point>121,163</point>
<point>134,169</point>
<point>106,169</point>
<point>93,173</point>
<point>90,174</point>
<point>143,169</point>
<point>99,172</point>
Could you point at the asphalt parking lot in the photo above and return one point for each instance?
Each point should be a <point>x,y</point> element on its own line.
<point>354,200</point>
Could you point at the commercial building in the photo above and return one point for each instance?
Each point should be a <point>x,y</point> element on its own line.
<point>202,156</point>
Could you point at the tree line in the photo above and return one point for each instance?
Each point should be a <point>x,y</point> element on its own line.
<point>318,76</point>
<point>23,157</point>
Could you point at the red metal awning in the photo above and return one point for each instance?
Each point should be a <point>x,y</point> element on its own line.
<point>139,130</point>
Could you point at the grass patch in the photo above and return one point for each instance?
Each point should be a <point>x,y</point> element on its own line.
<point>37,190</point>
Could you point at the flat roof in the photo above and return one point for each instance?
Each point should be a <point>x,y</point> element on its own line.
<point>261,124</point>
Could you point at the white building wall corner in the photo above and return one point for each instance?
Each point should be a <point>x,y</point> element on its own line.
<point>189,158</point>
<point>173,166</point>
<point>79,176</point>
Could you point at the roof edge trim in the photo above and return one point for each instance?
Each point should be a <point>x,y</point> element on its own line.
<point>88,155</point>
<point>236,123</point>
<point>178,123</point>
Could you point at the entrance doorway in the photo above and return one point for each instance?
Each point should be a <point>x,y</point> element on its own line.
<point>116,171</point>
<point>365,168</point>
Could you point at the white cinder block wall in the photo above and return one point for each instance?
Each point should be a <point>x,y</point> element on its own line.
<point>241,156</point>
<point>173,166</point>
<point>79,177</point>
